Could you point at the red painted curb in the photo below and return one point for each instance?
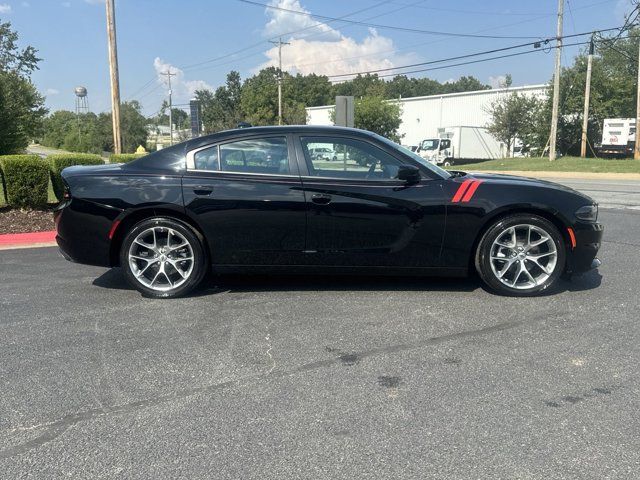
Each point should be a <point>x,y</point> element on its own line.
<point>27,238</point>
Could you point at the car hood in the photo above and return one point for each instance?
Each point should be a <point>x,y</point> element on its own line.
<point>526,181</point>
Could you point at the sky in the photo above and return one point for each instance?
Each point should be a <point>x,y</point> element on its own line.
<point>202,40</point>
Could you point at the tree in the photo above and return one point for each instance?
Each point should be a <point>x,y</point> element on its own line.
<point>180,118</point>
<point>379,116</point>
<point>376,115</point>
<point>361,85</point>
<point>12,59</point>
<point>221,110</point>
<point>93,133</point>
<point>513,117</point>
<point>613,93</point>
<point>133,126</point>
<point>21,106</point>
<point>259,100</point>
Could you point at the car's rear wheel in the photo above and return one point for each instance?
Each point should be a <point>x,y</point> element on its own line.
<point>163,257</point>
<point>521,255</point>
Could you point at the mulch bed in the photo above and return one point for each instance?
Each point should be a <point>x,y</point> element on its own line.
<point>24,221</point>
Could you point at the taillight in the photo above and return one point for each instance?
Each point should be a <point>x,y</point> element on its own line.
<point>66,194</point>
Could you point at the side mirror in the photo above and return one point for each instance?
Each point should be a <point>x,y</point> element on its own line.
<point>409,173</point>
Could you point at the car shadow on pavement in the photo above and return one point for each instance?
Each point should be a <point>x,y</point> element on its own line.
<point>114,279</point>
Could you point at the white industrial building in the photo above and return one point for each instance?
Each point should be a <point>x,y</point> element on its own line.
<point>423,116</point>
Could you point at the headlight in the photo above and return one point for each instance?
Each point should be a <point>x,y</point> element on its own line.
<point>588,213</point>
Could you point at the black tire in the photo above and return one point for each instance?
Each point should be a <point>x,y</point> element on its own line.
<point>175,229</point>
<point>518,223</point>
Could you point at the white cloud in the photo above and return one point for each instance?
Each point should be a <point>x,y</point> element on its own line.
<point>5,8</point>
<point>324,50</point>
<point>497,81</point>
<point>182,89</point>
<point>285,22</point>
<point>52,91</point>
<point>66,4</point>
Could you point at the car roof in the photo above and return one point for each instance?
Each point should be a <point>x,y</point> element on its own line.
<point>275,130</point>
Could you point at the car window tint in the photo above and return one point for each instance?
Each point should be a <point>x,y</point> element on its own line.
<point>348,158</point>
<point>260,155</point>
<point>207,159</point>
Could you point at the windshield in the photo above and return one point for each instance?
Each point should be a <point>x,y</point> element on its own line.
<point>437,170</point>
<point>431,144</point>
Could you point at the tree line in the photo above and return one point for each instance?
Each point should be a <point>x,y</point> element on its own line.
<point>255,100</point>
<point>23,116</point>
<point>613,95</point>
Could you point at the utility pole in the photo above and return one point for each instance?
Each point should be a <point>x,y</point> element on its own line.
<point>587,94</point>
<point>115,81</point>
<point>169,75</point>
<point>556,85</point>
<point>280,43</point>
<point>636,148</point>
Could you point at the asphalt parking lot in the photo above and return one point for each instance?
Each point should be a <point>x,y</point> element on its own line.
<point>289,377</point>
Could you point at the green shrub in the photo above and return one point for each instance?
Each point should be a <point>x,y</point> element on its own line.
<point>58,163</point>
<point>25,180</point>
<point>124,157</point>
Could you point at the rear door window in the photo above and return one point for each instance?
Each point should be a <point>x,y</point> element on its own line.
<point>259,155</point>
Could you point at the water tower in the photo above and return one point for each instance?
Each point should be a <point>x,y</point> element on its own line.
<point>82,102</point>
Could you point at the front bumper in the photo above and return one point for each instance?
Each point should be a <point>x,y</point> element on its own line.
<point>588,239</point>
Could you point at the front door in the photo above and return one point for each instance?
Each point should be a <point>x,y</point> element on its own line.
<point>359,214</point>
<point>248,198</point>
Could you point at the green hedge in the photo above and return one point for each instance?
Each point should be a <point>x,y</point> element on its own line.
<point>25,179</point>
<point>124,157</point>
<point>59,162</point>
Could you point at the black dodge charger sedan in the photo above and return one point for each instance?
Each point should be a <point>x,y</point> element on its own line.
<point>257,199</point>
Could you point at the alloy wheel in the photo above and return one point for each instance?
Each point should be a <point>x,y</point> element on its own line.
<point>161,258</point>
<point>523,256</point>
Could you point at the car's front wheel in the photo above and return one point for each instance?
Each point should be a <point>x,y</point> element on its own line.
<point>520,255</point>
<point>162,257</point>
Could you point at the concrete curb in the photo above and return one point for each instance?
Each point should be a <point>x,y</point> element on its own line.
<point>28,240</point>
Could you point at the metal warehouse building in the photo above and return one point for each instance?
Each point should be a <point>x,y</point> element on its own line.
<point>423,116</point>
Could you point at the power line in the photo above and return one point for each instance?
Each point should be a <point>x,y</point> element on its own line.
<point>459,57</point>
<point>376,25</point>
<point>494,13</point>
<point>257,44</point>
<point>475,61</point>
<point>319,24</point>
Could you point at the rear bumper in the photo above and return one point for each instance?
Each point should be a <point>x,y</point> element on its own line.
<point>588,239</point>
<point>81,236</point>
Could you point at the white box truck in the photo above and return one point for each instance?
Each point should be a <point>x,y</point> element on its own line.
<point>618,138</point>
<point>461,145</point>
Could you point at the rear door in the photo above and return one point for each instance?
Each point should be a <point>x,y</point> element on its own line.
<point>359,214</point>
<point>247,196</point>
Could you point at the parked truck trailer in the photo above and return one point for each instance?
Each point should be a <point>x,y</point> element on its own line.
<point>461,145</point>
<point>618,138</point>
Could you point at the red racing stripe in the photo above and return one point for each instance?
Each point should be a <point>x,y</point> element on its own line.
<point>471,191</point>
<point>461,189</point>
